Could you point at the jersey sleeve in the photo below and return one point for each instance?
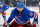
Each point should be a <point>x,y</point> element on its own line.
<point>36,18</point>
<point>11,17</point>
<point>34,15</point>
<point>6,7</point>
<point>29,13</point>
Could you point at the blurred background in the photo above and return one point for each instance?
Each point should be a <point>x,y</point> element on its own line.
<point>27,3</point>
<point>13,3</point>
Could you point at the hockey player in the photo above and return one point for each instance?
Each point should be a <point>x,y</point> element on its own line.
<point>22,16</point>
<point>3,8</point>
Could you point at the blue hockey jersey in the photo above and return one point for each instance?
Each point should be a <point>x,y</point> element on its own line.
<point>22,17</point>
<point>3,8</point>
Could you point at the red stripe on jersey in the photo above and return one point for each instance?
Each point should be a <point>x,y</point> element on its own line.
<point>4,13</point>
<point>35,15</point>
<point>4,19</point>
<point>13,22</point>
<point>28,22</point>
<point>34,25</point>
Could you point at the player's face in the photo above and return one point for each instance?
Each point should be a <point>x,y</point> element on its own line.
<point>1,5</point>
<point>19,9</point>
